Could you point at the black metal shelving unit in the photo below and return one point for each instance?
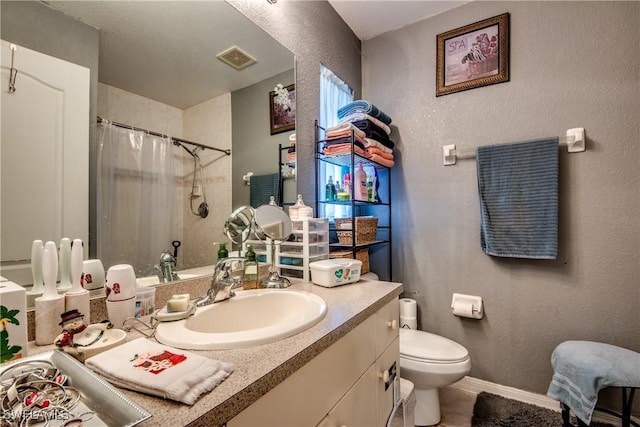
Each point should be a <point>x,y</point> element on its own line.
<point>282,163</point>
<point>381,209</point>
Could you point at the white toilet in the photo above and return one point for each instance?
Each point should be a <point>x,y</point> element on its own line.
<point>430,361</point>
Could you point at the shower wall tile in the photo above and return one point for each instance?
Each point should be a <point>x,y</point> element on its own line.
<point>131,109</point>
<point>208,123</point>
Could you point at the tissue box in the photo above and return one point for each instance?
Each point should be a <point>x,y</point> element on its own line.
<point>335,272</point>
<point>13,334</point>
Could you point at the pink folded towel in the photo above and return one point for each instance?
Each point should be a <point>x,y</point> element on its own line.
<point>369,151</point>
<point>344,129</point>
<point>368,142</point>
<point>336,149</point>
<point>160,370</point>
<point>379,159</point>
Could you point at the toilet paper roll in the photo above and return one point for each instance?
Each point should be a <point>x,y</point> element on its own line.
<point>408,307</point>
<point>409,322</point>
<point>463,309</point>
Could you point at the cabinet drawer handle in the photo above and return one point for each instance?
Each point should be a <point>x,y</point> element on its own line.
<point>393,325</point>
<point>384,375</point>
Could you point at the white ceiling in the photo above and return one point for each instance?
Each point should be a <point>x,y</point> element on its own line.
<point>166,50</point>
<point>370,18</point>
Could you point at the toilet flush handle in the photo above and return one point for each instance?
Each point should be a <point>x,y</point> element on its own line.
<point>392,324</point>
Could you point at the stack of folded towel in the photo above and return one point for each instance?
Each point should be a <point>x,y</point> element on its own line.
<point>370,127</point>
<point>291,152</point>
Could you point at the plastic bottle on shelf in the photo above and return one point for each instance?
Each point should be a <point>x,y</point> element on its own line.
<point>360,185</point>
<point>374,182</point>
<point>347,183</point>
<point>330,192</point>
<point>370,191</point>
<point>250,276</point>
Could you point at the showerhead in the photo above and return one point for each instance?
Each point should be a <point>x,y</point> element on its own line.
<point>203,210</point>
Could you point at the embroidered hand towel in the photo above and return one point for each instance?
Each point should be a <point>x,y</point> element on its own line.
<point>518,192</point>
<point>160,370</point>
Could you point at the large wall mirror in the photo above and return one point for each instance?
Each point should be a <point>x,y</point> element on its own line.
<point>158,70</point>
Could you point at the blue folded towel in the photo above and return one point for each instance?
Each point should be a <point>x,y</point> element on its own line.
<point>262,188</point>
<point>518,192</point>
<point>583,368</point>
<point>362,106</point>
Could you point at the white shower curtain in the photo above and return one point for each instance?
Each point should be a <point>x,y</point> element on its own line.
<point>135,183</point>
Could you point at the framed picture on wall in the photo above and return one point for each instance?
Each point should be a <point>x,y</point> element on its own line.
<point>473,56</point>
<point>282,108</point>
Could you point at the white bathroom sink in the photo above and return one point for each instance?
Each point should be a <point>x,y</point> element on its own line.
<point>250,318</point>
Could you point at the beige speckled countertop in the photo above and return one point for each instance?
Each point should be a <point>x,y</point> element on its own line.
<point>259,369</point>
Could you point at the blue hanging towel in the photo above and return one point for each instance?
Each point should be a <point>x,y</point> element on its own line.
<point>262,188</point>
<point>518,191</point>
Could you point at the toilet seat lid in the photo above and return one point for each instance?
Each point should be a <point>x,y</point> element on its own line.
<point>428,347</point>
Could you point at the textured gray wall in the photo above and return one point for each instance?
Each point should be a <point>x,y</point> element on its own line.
<point>573,64</point>
<point>63,38</point>
<point>254,148</point>
<point>316,34</point>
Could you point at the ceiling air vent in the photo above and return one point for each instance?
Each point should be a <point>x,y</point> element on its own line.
<point>236,57</point>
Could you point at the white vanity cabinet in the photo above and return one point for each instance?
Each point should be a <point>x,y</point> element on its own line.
<point>342,386</point>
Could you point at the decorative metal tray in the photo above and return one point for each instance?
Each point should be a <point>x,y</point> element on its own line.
<point>109,406</point>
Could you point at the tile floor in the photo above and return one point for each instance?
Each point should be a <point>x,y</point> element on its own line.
<point>456,408</point>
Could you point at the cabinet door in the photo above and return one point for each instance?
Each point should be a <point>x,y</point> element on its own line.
<point>310,393</point>
<point>355,407</point>
<point>389,361</point>
<point>387,324</point>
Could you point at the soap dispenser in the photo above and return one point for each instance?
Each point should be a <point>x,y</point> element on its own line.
<point>250,277</point>
<point>222,251</point>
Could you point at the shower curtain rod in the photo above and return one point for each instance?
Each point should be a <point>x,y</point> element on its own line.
<point>176,141</point>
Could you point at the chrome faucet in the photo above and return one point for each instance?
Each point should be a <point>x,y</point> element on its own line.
<point>222,282</point>
<point>166,268</point>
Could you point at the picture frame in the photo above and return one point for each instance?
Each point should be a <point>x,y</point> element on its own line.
<point>473,56</point>
<point>282,116</point>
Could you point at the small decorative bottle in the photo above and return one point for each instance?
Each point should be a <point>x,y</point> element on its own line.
<point>272,202</point>
<point>250,278</point>
<point>303,211</point>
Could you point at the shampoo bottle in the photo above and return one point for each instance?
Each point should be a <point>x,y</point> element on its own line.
<point>360,185</point>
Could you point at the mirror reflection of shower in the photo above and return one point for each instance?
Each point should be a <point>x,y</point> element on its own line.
<point>197,190</point>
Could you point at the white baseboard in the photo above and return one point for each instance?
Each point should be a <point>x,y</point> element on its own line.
<point>476,385</point>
